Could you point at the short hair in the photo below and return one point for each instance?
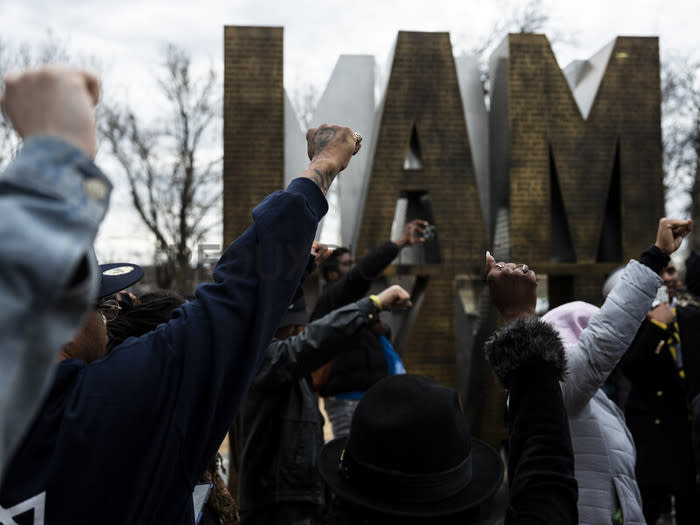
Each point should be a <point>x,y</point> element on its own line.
<point>152,309</point>
<point>331,264</point>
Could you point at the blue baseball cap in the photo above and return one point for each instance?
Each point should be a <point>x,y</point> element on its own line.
<point>115,277</point>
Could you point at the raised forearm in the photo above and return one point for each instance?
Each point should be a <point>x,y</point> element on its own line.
<point>322,340</point>
<point>529,359</point>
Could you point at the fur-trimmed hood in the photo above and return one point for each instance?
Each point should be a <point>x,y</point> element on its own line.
<point>522,341</point>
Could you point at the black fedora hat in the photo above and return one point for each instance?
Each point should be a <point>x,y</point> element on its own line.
<point>409,453</point>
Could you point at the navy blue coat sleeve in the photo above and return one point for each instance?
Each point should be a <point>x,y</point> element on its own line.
<point>187,378</point>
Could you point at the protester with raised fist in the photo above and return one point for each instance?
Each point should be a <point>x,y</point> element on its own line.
<point>52,200</point>
<point>277,436</point>
<point>410,459</point>
<point>343,381</point>
<point>595,340</point>
<point>124,438</point>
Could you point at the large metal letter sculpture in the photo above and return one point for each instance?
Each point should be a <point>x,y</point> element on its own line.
<point>422,155</point>
<point>253,122</point>
<point>582,176</point>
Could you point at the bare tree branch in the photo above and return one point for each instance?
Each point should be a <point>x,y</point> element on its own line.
<point>172,183</point>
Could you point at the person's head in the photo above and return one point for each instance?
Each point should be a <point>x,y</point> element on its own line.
<point>90,343</point>
<point>337,265</point>
<point>670,276</point>
<point>409,458</point>
<point>612,280</point>
<point>295,318</point>
<point>143,316</point>
<point>570,320</point>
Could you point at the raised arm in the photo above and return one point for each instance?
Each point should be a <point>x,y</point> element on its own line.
<point>290,359</point>
<point>356,283</point>
<point>529,360</point>
<point>611,331</point>
<point>206,357</point>
<point>52,200</point>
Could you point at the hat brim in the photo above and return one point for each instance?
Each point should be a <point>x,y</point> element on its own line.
<point>487,469</point>
<point>115,277</point>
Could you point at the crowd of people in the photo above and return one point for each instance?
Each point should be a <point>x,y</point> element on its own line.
<point>113,405</point>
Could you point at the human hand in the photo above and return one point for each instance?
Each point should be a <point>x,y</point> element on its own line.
<point>671,233</point>
<point>329,149</point>
<point>662,313</point>
<point>394,297</point>
<point>53,100</point>
<point>320,252</point>
<point>412,233</point>
<point>513,289</point>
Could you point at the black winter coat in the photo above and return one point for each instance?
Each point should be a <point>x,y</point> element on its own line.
<point>657,409</point>
<point>529,359</point>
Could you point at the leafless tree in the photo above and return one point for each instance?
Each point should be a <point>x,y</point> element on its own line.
<point>172,181</point>
<point>531,17</point>
<point>680,89</point>
<point>304,100</point>
<point>9,141</point>
<point>18,56</point>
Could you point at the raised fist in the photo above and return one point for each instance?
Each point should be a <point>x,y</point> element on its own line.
<point>671,233</point>
<point>513,288</point>
<point>394,297</point>
<point>333,144</point>
<point>53,100</point>
<point>320,252</point>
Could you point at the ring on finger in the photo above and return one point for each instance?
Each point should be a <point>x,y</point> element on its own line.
<point>358,137</point>
<point>524,268</point>
<point>500,266</point>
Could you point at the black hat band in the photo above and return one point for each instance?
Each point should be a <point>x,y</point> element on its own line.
<point>402,487</point>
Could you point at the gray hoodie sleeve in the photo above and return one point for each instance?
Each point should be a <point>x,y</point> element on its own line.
<point>608,335</point>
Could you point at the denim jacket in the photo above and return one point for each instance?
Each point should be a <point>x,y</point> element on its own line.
<point>52,200</point>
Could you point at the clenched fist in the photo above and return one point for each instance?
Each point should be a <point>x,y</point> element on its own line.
<point>671,233</point>
<point>53,100</point>
<point>513,289</point>
<point>394,297</point>
<point>330,149</point>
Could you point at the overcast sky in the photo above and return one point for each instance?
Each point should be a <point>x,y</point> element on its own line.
<point>127,38</point>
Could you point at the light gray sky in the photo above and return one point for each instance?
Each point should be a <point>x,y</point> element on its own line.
<point>128,36</point>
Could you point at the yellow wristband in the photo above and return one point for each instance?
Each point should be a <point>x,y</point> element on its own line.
<point>376,302</point>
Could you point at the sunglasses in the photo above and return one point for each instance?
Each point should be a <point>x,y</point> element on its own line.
<point>109,309</point>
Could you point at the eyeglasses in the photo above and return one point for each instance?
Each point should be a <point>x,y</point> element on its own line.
<point>109,309</point>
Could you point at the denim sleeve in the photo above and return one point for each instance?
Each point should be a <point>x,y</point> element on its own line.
<point>52,200</point>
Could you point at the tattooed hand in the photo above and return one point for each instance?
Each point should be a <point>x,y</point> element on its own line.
<point>329,149</point>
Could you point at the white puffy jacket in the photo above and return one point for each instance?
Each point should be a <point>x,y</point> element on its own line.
<point>595,340</point>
